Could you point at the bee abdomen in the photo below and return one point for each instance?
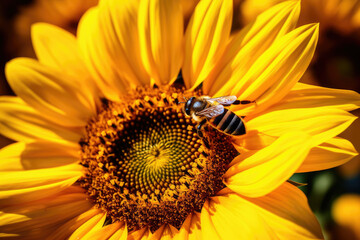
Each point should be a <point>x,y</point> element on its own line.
<point>229,123</point>
<point>238,128</point>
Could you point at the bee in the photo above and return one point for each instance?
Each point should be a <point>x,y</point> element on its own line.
<point>212,111</point>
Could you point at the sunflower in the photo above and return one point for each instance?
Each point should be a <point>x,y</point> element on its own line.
<point>63,13</point>
<point>105,151</point>
<point>345,210</point>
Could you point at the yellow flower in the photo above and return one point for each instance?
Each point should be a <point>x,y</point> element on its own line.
<point>345,211</point>
<point>63,13</point>
<point>105,152</point>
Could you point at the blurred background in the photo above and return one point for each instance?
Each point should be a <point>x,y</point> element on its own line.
<point>334,194</point>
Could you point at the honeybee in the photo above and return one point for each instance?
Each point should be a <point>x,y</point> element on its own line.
<point>211,110</point>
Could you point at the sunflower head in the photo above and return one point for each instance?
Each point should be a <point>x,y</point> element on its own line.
<point>129,163</point>
<point>145,163</point>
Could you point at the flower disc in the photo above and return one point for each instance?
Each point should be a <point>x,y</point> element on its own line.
<point>146,163</point>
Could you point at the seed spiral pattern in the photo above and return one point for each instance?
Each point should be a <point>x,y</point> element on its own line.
<point>156,153</point>
<point>145,163</point>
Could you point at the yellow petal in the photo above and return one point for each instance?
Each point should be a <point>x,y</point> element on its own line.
<point>12,236</point>
<point>257,174</point>
<point>17,180</point>
<point>105,232</point>
<point>19,196</point>
<point>322,123</point>
<point>356,17</point>
<point>227,217</point>
<point>120,234</point>
<point>205,39</point>
<point>49,92</point>
<point>118,28</point>
<point>253,140</point>
<point>346,8</point>
<point>247,45</point>
<point>20,122</point>
<point>287,211</point>
<point>64,231</point>
<point>32,211</point>
<point>307,96</point>
<point>250,9</point>
<point>191,228</point>
<point>188,7</point>
<point>165,232</point>
<point>277,70</point>
<point>332,153</point>
<point>282,214</point>
<point>44,215</point>
<point>101,67</point>
<point>12,218</point>
<point>93,224</point>
<point>41,154</point>
<point>161,38</point>
<point>142,234</point>
<point>57,48</point>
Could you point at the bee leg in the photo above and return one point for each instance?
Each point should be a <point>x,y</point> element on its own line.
<point>237,102</point>
<point>201,135</point>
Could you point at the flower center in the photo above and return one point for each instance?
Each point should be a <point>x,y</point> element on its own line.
<point>145,163</point>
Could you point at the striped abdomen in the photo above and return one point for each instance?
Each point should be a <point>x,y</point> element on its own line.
<point>228,123</point>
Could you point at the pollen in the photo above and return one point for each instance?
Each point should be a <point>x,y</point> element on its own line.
<point>145,163</point>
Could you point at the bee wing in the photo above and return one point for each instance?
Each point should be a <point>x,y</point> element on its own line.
<point>211,112</point>
<point>225,100</point>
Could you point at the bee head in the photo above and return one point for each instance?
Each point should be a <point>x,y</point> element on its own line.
<point>187,105</point>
